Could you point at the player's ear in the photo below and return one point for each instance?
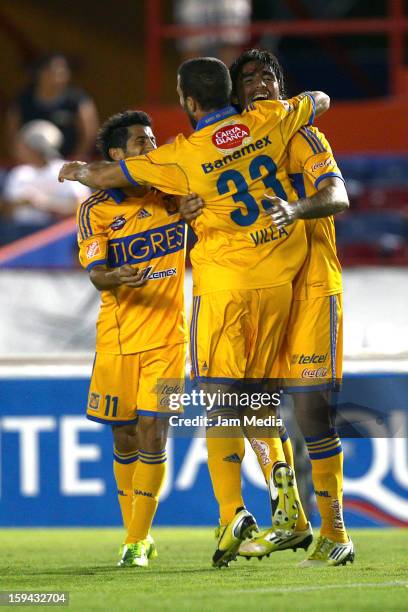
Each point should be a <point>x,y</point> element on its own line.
<point>191,104</point>
<point>116,153</point>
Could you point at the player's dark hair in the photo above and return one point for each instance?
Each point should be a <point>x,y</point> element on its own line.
<point>207,80</point>
<point>263,57</point>
<point>114,132</point>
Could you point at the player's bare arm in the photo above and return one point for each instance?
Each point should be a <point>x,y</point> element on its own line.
<point>322,101</point>
<point>104,278</point>
<point>191,207</point>
<point>96,175</point>
<point>330,199</point>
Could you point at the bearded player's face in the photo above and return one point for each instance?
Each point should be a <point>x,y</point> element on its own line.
<point>257,81</point>
<point>184,105</point>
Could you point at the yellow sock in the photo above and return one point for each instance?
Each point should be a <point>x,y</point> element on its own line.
<point>123,467</point>
<point>225,456</point>
<point>148,479</point>
<point>326,456</point>
<point>268,452</point>
<point>289,458</point>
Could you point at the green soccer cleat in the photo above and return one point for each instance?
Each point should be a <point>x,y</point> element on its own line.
<point>230,537</point>
<point>134,555</point>
<point>285,509</point>
<point>326,552</point>
<point>151,548</point>
<point>270,541</point>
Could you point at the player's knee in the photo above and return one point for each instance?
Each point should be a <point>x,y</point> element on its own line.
<point>125,438</point>
<point>152,433</point>
<point>313,412</point>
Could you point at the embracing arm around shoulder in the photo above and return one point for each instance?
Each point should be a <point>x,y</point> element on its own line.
<point>322,102</point>
<point>97,175</point>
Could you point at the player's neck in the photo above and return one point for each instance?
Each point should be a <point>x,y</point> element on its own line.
<point>201,114</point>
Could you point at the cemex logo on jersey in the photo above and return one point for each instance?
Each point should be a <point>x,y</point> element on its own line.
<point>118,223</point>
<point>93,249</point>
<point>314,358</point>
<point>231,136</point>
<point>149,275</point>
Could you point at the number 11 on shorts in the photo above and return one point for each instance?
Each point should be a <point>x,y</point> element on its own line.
<point>111,400</point>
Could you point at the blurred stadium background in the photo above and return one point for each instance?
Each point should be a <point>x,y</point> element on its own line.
<point>55,466</point>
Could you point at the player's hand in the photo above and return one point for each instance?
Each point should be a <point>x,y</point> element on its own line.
<point>191,207</point>
<point>281,212</point>
<point>68,171</point>
<point>129,276</point>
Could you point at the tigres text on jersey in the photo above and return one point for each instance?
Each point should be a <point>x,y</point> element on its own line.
<point>115,229</point>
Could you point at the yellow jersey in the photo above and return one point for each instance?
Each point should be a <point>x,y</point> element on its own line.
<point>115,229</point>
<point>311,160</point>
<point>231,161</point>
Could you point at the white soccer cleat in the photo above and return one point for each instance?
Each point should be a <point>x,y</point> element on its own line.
<point>326,552</point>
<point>272,541</point>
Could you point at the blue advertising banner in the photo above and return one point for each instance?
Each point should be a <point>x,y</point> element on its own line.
<point>56,466</point>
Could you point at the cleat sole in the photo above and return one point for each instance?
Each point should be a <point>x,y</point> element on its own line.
<point>287,511</point>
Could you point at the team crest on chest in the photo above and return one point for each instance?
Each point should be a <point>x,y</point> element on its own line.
<point>118,222</point>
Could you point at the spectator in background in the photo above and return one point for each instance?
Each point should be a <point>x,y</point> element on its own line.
<point>51,97</point>
<point>235,15</point>
<point>32,196</point>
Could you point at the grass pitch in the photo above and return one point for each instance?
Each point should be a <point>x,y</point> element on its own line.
<point>82,561</point>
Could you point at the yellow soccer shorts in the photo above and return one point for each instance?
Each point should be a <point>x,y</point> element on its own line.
<point>124,387</point>
<point>237,334</point>
<point>313,347</point>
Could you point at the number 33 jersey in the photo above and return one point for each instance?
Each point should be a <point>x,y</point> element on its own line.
<point>231,161</point>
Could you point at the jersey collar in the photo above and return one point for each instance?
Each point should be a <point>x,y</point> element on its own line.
<point>117,194</point>
<point>216,116</point>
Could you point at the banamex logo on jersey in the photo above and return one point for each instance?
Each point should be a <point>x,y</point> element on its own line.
<point>231,136</point>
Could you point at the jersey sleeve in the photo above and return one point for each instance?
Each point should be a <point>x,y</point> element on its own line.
<point>92,235</point>
<point>161,168</point>
<point>311,155</point>
<point>298,112</point>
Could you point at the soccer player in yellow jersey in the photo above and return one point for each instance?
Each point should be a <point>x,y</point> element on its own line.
<point>132,242</point>
<point>243,267</point>
<point>312,352</point>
